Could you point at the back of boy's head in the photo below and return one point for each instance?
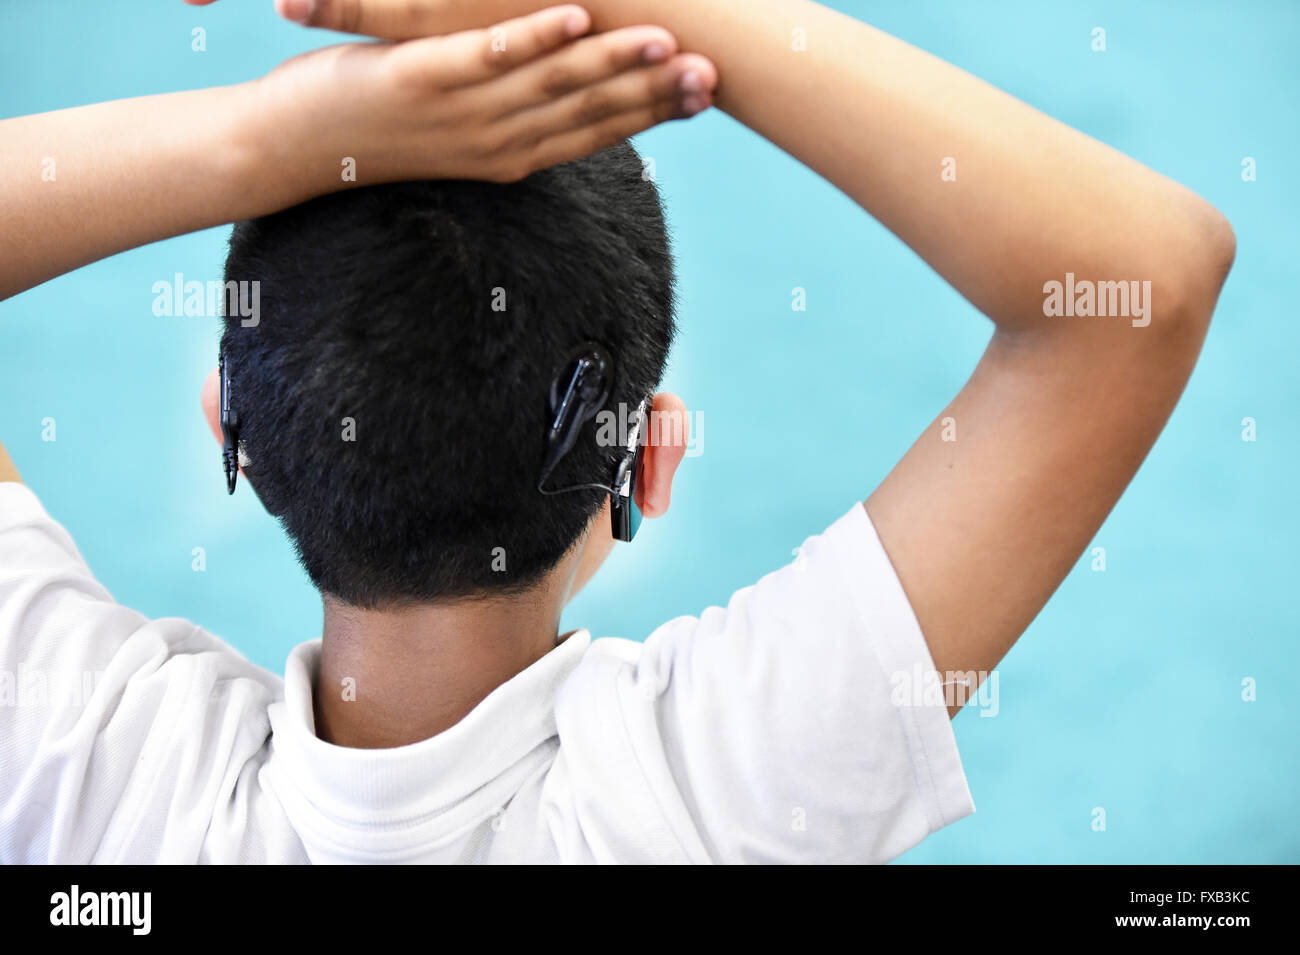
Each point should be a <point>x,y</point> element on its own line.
<point>393,395</point>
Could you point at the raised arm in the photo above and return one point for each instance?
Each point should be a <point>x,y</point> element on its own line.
<point>988,511</point>
<point>993,504</point>
<point>81,184</point>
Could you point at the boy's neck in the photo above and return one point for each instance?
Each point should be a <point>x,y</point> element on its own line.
<point>392,677</point>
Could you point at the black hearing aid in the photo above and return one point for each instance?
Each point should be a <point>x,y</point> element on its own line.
<point>579,390</point>
<point>229,428</point>
<point>623,512</point>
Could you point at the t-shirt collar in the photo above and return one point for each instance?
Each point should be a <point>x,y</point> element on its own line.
<point>382,786</point>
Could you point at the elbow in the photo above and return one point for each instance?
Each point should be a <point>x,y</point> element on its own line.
<point>1217,250</point>
<point>1204,248</point>
<point>1226,244</point>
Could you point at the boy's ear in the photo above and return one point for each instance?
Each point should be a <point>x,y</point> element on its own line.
<point>210,400</point>
<point>669,431</point>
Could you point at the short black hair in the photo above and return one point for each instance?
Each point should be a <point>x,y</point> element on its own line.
<point>434,316</point>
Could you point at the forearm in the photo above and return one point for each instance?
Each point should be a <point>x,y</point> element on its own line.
<point>1032,199</point>
<point>81,184</point>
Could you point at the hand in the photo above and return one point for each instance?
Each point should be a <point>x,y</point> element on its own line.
<point>402,19</point>
<point>491,104</point>
<point>399,19</point>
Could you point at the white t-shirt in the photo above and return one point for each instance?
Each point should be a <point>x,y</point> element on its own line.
<point>765,731</point>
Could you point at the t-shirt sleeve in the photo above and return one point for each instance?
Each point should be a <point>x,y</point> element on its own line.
<point>782,728</point>
<point>120,736</point>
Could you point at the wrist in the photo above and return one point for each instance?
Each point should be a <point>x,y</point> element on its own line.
<point>270,162</point>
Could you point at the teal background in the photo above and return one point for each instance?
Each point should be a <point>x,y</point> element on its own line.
<point>1125,693</point>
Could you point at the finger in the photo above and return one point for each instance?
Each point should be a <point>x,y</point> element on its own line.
<point>473,56</point>
<point>677,89</point>
<point>585,140</point>
<point>399,19</point>
<point>580,64</point>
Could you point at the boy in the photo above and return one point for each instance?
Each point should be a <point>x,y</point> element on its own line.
<point>441,717</point>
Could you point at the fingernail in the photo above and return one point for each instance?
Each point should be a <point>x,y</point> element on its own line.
<point>299,11</point>
<point>654,52</point>
<point>691,82</point>
<point>695,103</point>
<point>575,25</point>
